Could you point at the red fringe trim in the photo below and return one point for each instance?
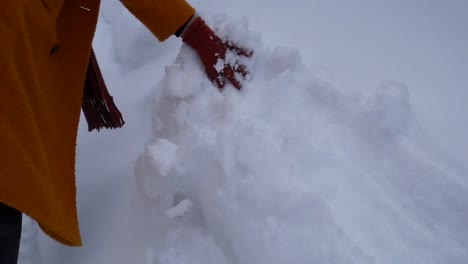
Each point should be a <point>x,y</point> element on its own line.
<point>97,104</point>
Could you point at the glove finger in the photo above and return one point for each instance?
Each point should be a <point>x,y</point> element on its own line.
<point>220,82</point>
<point>216,77</point>
<point>243,52</point>
<point>242,70</point>
<point>240,51</point>
<point>229,74</point>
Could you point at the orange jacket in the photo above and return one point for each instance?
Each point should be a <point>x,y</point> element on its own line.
<point>44,50</point>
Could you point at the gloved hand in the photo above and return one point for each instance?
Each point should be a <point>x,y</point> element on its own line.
<point>217,56</point>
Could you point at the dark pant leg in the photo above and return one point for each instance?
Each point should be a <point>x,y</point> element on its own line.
<point>10,234</point>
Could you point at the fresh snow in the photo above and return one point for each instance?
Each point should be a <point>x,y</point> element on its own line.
<point>292,169</point>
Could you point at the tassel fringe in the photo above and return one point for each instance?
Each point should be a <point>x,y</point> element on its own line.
<point>97,104</point>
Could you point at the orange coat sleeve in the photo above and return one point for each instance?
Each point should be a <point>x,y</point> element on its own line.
<point>162,17</point>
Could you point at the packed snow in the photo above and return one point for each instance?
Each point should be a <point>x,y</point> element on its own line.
<point>291,169</point>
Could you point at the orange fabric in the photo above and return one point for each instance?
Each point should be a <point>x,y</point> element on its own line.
<point>40,100</point>
<point>162,17</point>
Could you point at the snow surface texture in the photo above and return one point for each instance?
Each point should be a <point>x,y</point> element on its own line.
<point>289,170</point>
<point>292,171</point>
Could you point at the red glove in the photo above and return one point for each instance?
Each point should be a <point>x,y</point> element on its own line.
<point>212,52</point>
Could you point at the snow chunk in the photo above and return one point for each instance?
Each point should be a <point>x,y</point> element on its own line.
<point>154,168</point>
<point>180,209</point>
<point>219,66</point>
<point>162,154</point>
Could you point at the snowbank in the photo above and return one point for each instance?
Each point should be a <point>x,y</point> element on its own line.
<point>290,170</point>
